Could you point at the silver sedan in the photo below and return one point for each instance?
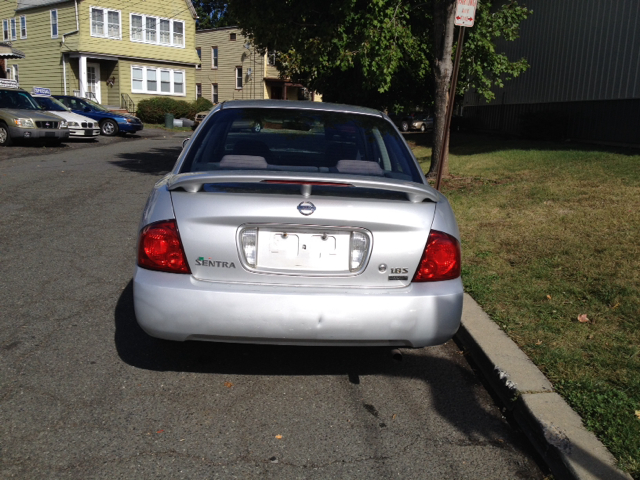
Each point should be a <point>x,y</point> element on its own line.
<point>298,223</point>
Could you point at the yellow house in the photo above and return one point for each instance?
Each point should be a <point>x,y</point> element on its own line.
<point>112,51</point>
<point>232,69</point>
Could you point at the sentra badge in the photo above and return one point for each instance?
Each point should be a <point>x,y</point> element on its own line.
<point>306,208</point>
<point>207,262</point>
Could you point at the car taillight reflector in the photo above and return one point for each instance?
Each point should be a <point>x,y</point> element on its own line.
<point>160,248</point>
<point>441,259</point>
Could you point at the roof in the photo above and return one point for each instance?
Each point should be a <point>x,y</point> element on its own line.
<point>27,4</point>
<point>7,51</point>
<point>306,105</point>
<point>216,29</point>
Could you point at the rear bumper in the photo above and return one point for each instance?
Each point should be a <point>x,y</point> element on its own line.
<point>179,307</point>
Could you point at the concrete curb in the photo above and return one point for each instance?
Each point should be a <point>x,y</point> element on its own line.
<point>555,430</point>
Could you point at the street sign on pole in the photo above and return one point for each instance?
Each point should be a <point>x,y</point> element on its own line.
<point>465,17</point>
<point>465,13</point>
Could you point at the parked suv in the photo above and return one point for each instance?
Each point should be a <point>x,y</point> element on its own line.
<point>21,117</point>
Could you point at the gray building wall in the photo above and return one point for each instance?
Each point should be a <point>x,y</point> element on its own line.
<point>585,61</point>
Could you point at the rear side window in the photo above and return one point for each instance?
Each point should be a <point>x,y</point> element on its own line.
<point>301,141</point>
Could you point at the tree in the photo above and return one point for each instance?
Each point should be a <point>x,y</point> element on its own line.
<point>212,14</point>
<point>386,54</point>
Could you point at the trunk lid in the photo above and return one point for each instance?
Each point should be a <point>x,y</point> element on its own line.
<point>303,235</point>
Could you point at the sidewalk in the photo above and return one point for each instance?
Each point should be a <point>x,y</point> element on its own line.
<point>554,429</point>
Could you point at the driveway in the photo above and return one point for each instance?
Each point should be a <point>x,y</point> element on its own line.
<point>84,393</point>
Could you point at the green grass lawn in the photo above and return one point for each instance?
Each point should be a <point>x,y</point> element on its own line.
<point>550,232</point>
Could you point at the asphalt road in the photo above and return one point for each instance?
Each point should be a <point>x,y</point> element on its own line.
<point>84,393</point>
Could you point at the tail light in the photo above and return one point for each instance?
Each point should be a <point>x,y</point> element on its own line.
<point>441,259</point>
<point>160,248</point>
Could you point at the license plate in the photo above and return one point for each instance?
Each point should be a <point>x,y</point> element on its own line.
<point>88,133</point>
<point>49,134</point>
<point>311,251</point>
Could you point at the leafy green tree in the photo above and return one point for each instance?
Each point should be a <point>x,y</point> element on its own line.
<point>386,54</point>
<point>212,14</point>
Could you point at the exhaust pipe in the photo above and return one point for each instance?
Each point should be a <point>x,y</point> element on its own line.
<point>396,354</point>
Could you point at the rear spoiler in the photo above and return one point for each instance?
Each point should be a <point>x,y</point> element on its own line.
<point>193,182</point>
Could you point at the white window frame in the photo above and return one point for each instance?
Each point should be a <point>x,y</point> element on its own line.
<point>159,71</point>
<point>214,93</point>
<point>158,21</point>
<point>198,90</point>
<point>14,29</point>
<point>5,30</point>
<point>239,78</point>
<point>214,58</point>
<point>51,22</point>
<point>105,21</point>
<point>23,18</point>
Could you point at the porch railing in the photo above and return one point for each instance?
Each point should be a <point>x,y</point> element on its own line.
<point>127,103</point>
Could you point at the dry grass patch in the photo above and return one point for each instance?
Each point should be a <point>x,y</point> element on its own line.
<point>551,232</point>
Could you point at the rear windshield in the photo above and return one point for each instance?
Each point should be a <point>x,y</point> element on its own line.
<point>293,140</point>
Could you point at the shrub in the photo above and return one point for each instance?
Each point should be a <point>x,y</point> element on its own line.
<point>153,110</point>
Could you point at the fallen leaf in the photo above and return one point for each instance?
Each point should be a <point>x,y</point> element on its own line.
<point>228,384</point>
<point>615,306</point>
<point>278,437</point>
<point>160,431</point>
<point>548,297</point>
<point>638,414</point>
<point>583,318</point>
<point>394,417</point>
<point>539,342</point>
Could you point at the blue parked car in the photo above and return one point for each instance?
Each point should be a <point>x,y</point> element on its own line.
<point>111,123</point>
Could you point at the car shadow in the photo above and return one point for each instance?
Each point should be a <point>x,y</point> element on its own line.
<point>453,384</point>
<point>154,162</point>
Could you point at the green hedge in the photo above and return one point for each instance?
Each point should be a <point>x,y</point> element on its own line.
<point>153,110</point>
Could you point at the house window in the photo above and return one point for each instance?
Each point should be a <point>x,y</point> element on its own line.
<point>150,29</point>
<point>113,20</point>
<point>271,58</point>
<point>145,80</point>
<point>156,30</point>
<point>5,30</point>
<point>54,23</point>
<point>199,52</point>
<point>214,92</point>
<point>178,33</point>
<point>165,32</point>
<point>23,26</point>
<point>198,90</point>
<point>232,37</point>
<point>238,78</point>
<point>98,27</point>
<point>137,84</point>
<point>136,27</point>
<point>13,29</point>
<point>16,77</point>
<point>178,82</point>
<point>165,81</point>
<point>152,81</point>
<point>214,57</point>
